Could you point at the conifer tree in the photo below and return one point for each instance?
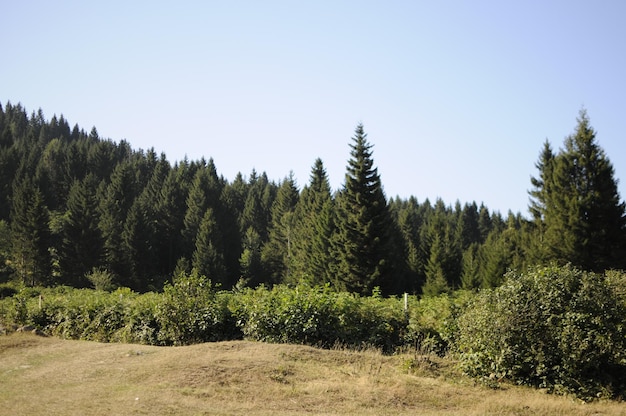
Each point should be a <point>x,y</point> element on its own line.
<point>205,192</point>
<point>470,275</point>
<point>315,225</point>
<point>208,257</point>
<point>409,219</point>
<point>250,260</point>
<point>362,241</point>
<point>30,234</point>
<point>436,277</point>
<point>116,200</point>
<point>276,254</point>
<point>170,211</point>
<point>576,194</point>
<point>81,240</point>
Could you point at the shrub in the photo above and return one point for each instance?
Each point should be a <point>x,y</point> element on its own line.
<point>101,279</point>
<point>192,310</point>
<point>432,325</point>
<point>318,316</point>
<point>556,328</point>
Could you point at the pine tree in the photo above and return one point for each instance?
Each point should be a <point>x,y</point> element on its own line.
<point>250,260</point>
<point>576,195</point>
<point>205,192</point>
<point>315,225</point>
<point>30,234</point>
<point>436,276</point>
<point>116,200</point>
<point>443,246</point>
<point>81,240</point>
<point>170,211</point>
<point>276,254</point>
<point>208,257</point>
<point>362,240</point>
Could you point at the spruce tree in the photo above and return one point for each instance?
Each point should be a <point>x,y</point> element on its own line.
<point>205,192</point>
<point>409,219</point>
<point>584,221</point>
<point>361,243</point>
<point>30,234</point>
<point>315,225</point>
<point>208,257</point>
<point>276,254</point>
<point>116,200</point>
<point>81,240</point>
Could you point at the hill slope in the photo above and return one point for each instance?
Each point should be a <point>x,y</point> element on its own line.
<point>57,377</point>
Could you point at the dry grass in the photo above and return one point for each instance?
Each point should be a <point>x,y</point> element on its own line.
<point>48,376</point>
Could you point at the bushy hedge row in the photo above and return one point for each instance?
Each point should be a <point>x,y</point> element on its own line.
<point>320,316</point>
<point>555,328</point>
<point>561,329</point>
<point>192,310</point>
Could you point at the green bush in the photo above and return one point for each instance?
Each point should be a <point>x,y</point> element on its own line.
<point>318,316</point>
<point>432,325</point>
<point>192,311</point>
<point>561,329</point>
<point>101,279</point>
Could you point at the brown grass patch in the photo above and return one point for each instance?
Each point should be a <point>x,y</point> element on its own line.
<point>49,376</point>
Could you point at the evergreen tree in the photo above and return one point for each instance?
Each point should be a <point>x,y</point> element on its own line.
<point>30,234</point>
<point>170,212</point>
<point>116,200</point>
<point>436,276</point>
<point>363,224</point>
<point>576,194</point>
<point>81,240</point>
<point>250,260</point>
<point>276,254</point>
<point>314,229</point>
<point>204,193</point>
<point>409,219</point>
<point>208,257</point>
<point>443,246</point>
<point>470,275</point>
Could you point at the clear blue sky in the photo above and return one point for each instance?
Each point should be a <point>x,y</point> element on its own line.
<point>457,97</point>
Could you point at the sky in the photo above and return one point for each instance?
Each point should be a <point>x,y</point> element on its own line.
<point>456,97</point>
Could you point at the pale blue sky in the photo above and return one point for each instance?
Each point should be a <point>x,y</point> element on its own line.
<point>457,97</point>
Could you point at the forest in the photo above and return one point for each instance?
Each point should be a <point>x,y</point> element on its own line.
<point>75,206</point>
<point>179,255</point>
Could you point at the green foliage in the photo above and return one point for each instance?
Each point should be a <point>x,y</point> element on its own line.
<point>191,310</point>
<point>319,316</point>
<point>362,243</point>
<point>576,204</point>
<point>556,328</point>
<point>432,321</point>
<point>101,279</point>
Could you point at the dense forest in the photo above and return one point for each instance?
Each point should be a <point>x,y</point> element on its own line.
<point>73,204</point>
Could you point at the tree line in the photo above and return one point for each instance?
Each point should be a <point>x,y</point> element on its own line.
<point>73,204</point>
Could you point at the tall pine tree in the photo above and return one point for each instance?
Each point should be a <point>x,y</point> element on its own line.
<point>30,234</point>
<point>276,254</point>
<point>576,198</point>
<point>315,225</point>
<point>362,243</point>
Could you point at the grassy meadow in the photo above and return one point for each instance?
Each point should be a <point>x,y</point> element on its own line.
<point>51,376</point>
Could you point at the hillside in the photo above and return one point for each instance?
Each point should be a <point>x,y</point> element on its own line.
<point>58,377</point>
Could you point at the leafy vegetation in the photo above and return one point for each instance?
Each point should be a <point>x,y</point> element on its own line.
<point>561,329</point>
<point>178,255</point>
<point>72,202</point>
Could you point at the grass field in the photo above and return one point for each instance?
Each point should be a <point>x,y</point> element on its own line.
<point>50,376</point>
